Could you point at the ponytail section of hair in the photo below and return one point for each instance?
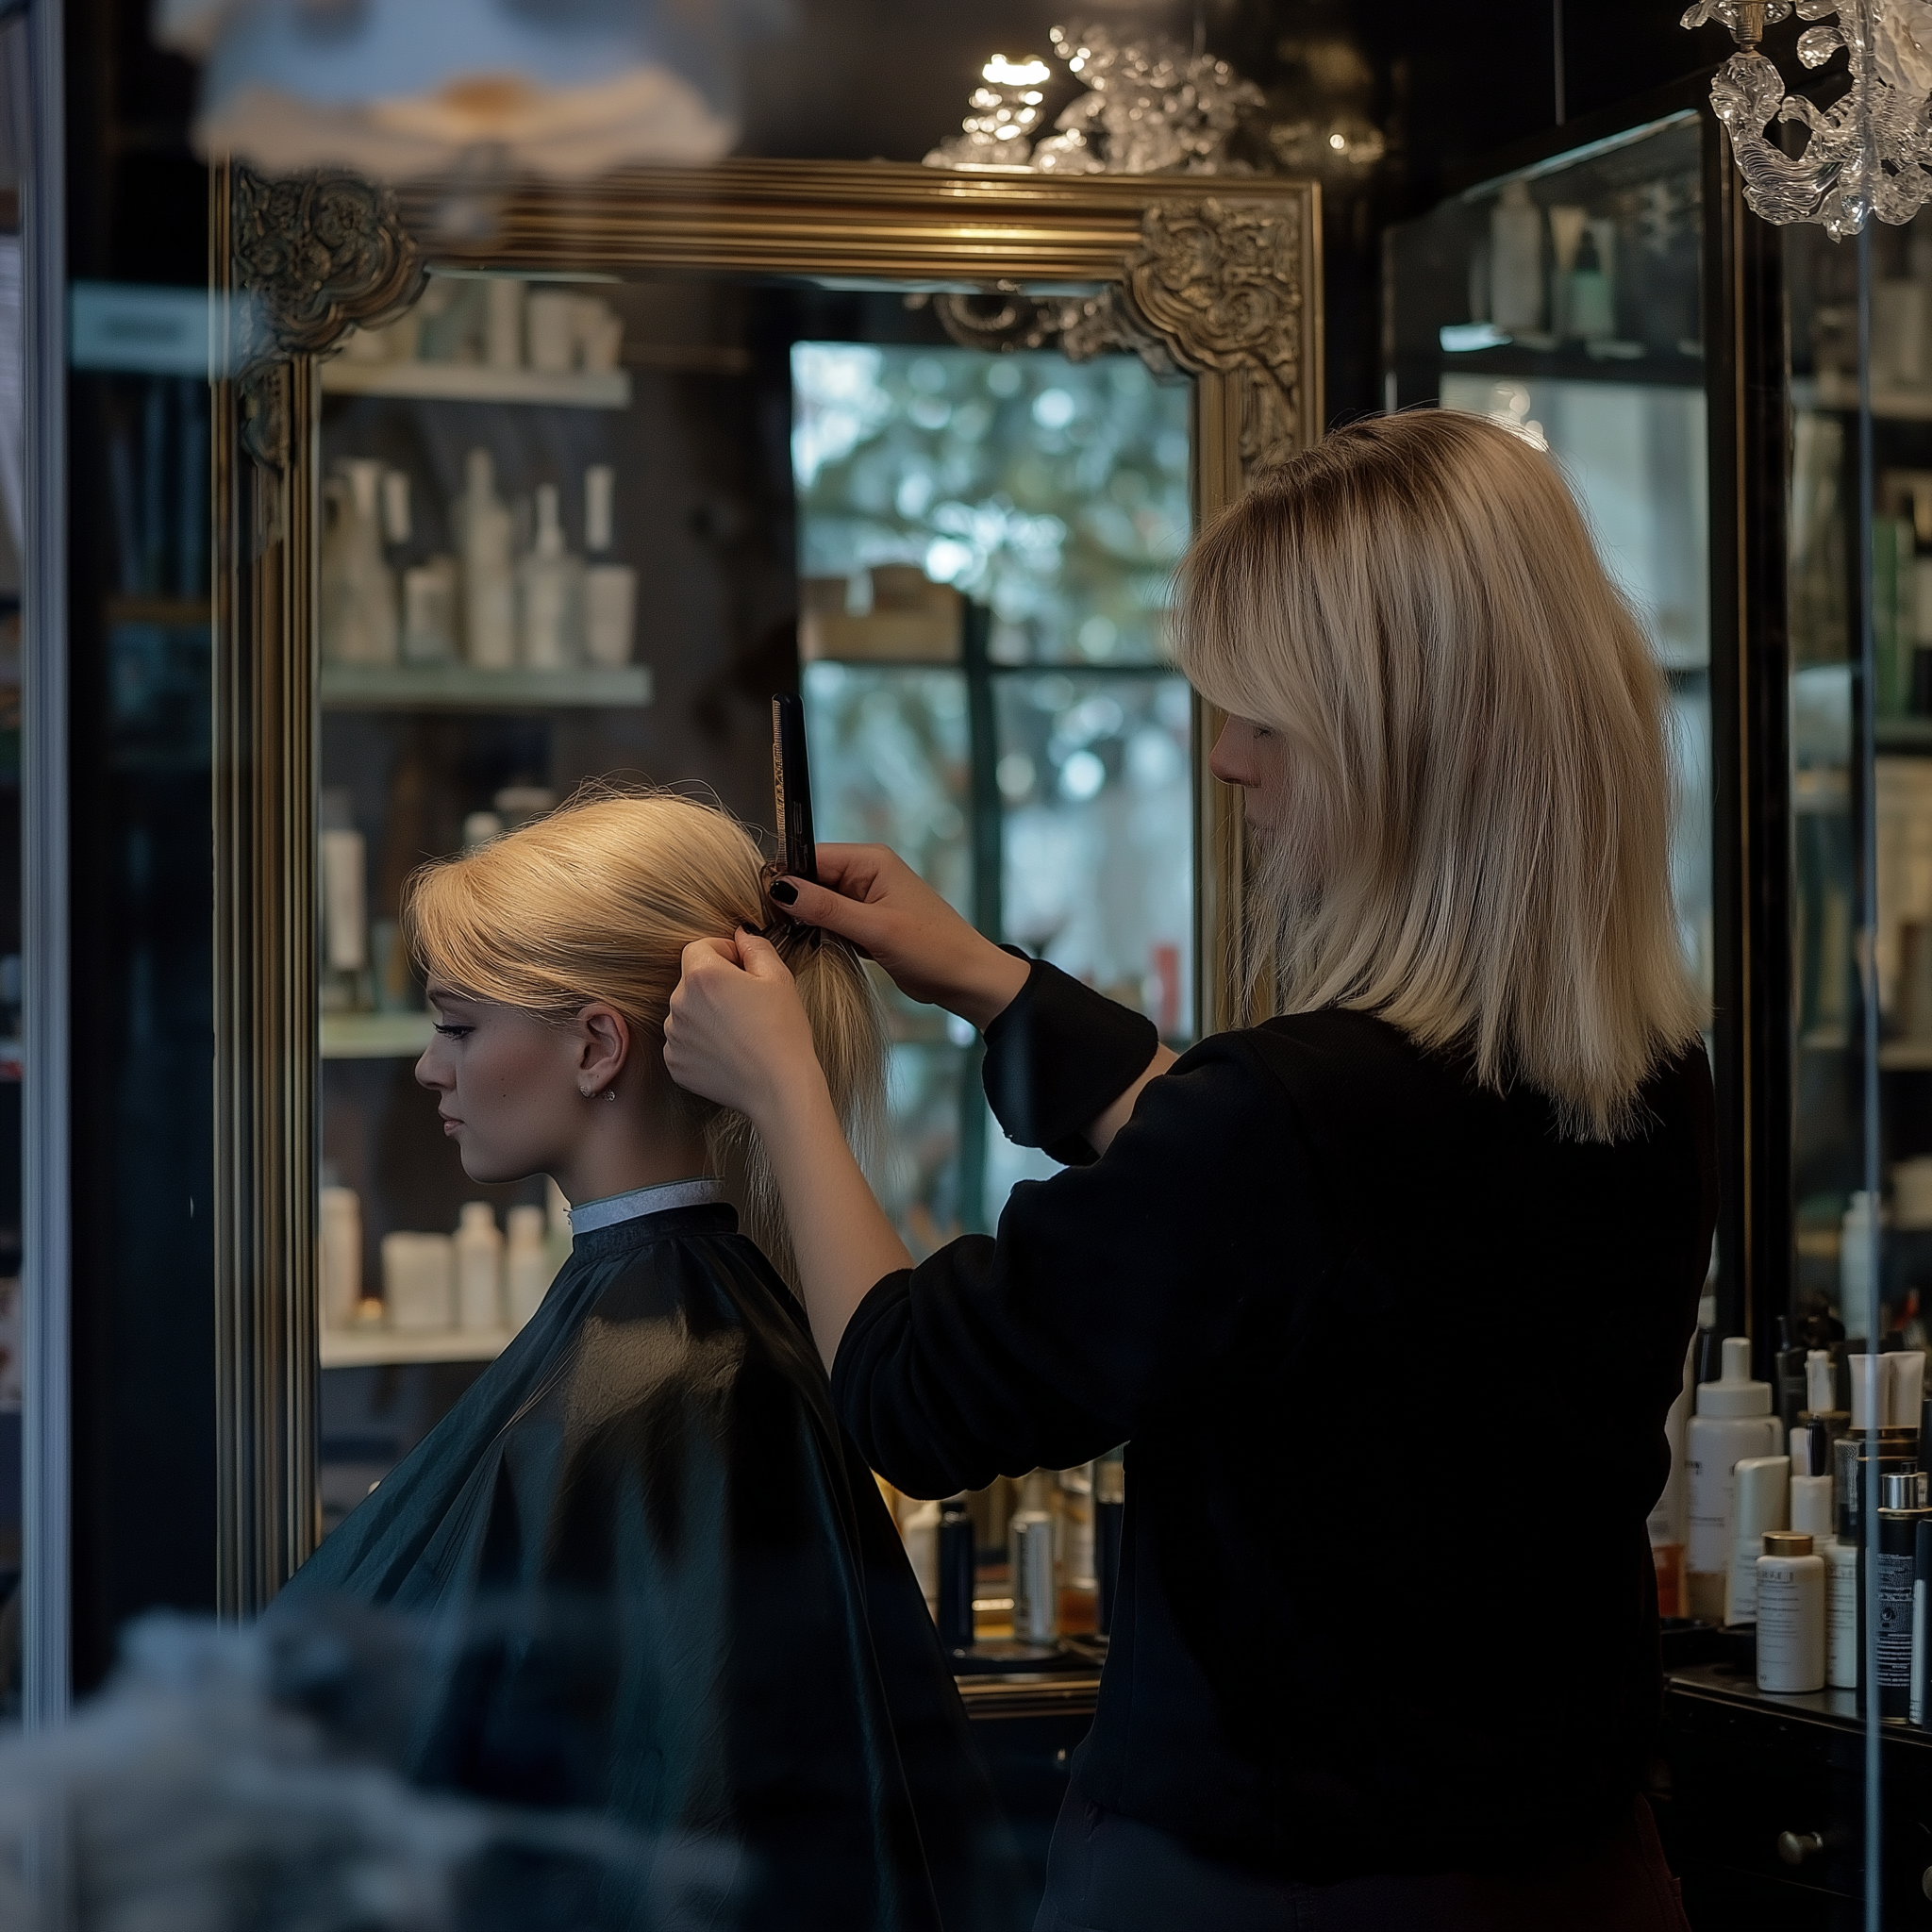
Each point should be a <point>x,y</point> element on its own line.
<point>598,900</point>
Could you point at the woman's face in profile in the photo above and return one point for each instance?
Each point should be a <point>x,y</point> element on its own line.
<point>505,1085</point>
<point>1255,757</point>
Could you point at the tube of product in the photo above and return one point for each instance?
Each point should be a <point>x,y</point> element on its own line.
<point>1762,1499</point>
<point>1869,1405</point>
<point>1811,1484</point>
<point>1905,1376</point>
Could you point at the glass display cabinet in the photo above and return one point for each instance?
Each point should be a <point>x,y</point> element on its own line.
<point>560,490</point>
<point>1589,299</point>
<point>1699,375</point>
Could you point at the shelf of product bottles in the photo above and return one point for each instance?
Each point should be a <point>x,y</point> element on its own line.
<point>375,1348</point>
<point>466,687</point>
<point>471,382</point>
<point>375,1035</point>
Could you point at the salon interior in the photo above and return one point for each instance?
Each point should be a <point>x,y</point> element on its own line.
<point>374,479</point>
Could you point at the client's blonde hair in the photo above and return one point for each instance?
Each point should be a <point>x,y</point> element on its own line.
<point>1477,843</point>
<point>598,900</point>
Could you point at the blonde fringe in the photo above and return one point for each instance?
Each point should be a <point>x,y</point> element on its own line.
<point>1477,840</point>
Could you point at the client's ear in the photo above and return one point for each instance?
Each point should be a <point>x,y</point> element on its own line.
<point>603,1050</point>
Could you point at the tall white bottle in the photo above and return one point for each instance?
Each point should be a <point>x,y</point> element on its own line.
<point>1516,260</point>
<point>341,1256</point>
<point>550,582</point>
<point>1732,1419</point>
<point>489,599</point>
<point>479,1268</point>
<point>528,1267</point>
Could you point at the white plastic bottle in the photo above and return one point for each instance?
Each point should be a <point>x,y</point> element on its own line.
<point>1516,260</point>
<point>479,1268</point>
<point>489,602</point>
<point>1791,1614</point>
<point>1761,1500</point>
<point>550,591</point>
<point>1841,1615</point>
<point>1855,1259</point>
<point>341,1256</point>
<point>1732,1421</point>
<point>528,1269</point>
<point>419,1281</point>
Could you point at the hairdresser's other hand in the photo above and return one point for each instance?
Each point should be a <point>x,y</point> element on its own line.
<point>736,1032</point>
<point>870,895</point>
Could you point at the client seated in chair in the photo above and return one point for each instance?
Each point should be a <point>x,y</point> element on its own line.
<point>663,1583</point>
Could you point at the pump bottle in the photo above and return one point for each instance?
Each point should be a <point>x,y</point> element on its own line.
<point>1732,1421</point>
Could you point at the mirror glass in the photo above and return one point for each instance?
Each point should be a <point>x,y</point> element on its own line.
<point>582,529</point>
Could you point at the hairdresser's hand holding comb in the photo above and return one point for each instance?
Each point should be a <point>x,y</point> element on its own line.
<point>737,1034</point>
<point>871,896</point>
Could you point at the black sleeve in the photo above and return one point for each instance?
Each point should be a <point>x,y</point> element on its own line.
<point>1109,1291</point>
<point>1057,1055</point>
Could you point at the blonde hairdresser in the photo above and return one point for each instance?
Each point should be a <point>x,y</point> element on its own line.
<point>1315,1262</point>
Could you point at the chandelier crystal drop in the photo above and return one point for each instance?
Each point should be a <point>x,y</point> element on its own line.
<point>1871,151</point>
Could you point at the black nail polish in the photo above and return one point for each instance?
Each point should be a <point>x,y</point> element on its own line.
<point>784,892</point>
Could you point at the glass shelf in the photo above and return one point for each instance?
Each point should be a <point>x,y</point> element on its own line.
<point>374,1035</point>
<point>374,1348</point>
<point>1838,388</point>
<point>471,382</point>
<point>463,688</point>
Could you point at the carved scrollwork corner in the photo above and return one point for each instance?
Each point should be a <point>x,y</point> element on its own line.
<point>313,256</point>
<point>1081,326</point>
<point>1221,284</point>
<point>1214,284</point>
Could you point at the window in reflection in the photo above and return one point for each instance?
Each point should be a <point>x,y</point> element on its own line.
<point>978,536</point>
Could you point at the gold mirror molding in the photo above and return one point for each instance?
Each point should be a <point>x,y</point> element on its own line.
<point>1218,277</point>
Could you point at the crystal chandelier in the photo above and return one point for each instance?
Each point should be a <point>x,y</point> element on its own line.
<point>1869,153</point>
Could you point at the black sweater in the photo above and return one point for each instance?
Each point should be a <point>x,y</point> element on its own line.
<point>1394,1360</point>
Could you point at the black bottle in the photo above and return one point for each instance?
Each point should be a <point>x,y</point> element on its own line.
<point>1887,1558</point>
<point>958,1574</point>
<point>1109,1516</point>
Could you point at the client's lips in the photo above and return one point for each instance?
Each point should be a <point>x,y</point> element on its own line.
<point>450,1122</point>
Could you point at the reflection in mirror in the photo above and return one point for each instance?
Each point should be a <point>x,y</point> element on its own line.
<point>999,514</point>
<point>581,529</point>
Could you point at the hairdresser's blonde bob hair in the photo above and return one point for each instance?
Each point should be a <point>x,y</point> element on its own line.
<point>598,900</point>
<point>1476,842</point>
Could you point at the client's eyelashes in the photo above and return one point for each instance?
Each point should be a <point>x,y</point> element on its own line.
<point>456,1032</point>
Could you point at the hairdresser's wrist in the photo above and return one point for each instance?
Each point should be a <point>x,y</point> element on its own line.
<point>990,979</point>
<point>792,1103</point>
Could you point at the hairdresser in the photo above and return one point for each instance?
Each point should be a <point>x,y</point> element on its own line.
<point>1390,1295</point>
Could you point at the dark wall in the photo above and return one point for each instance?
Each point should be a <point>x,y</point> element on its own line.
<point>142,859</point>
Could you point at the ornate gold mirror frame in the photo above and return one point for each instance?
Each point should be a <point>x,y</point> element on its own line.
<point>1221,276</point>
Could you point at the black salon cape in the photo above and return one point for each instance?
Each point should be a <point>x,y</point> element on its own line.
<point>674,1594</point>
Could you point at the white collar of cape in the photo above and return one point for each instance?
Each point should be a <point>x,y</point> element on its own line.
<point>589,1216</point>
